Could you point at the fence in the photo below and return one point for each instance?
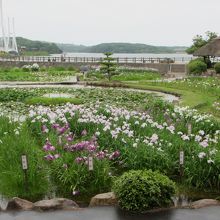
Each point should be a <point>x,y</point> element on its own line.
<point>43,59</point>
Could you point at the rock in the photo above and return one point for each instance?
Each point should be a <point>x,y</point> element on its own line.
<point>19,204</point>
<point>204,203</point>
<point>105,199</point>
<point>56,204</point>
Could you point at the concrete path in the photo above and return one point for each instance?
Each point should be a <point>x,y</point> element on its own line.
<point>111,213</point>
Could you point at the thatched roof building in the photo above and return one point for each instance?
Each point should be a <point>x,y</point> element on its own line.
<point>210,49</point>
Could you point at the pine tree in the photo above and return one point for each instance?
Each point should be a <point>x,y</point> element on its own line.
<point>108,66</point>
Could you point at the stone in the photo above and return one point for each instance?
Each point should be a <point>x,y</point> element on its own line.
<point>19,204</point>
<point>105,199</point>
<point>204,203</point>
<point>56,204</point>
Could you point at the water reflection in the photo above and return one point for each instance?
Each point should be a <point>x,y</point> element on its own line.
<point>162,215</point>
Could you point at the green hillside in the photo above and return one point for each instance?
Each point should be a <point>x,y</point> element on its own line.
<point>120,48</point>
<point>71,48</point>
<point>30,47</point>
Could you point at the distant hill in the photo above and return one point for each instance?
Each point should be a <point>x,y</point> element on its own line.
<point>71,48</point>
<point>37,47</point>
<point>120,48</point>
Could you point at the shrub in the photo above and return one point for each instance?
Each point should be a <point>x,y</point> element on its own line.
<point>43,69</point>
<point>6,70</point>
<point>217,67</point>
<point>60,68</point>
<point>16,69</point>
<point>142,190</point>
<point>71,68</point>
<point>26,68</point>
<point>156,106</point>
<point>35,67</point>
<point>197,67</point>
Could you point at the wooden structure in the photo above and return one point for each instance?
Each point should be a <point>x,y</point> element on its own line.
<point>211,49</point>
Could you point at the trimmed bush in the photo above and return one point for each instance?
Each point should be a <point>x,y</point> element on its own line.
<point>26,68</point>
<point>60,68</point>
<point>197,67</point>
<point>142,190</point>
<point>35,67</point>
<point>46,101</point>
<point>217,67</point>
<point>71,68</point>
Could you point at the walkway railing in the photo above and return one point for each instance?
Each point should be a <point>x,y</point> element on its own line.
<point>39,59</point>
<point>141,60</point>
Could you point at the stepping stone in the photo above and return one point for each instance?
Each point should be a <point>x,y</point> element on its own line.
<point>105,199</point>
<point>19,204</point>
<point>204,203</point>
<point>56,204</point>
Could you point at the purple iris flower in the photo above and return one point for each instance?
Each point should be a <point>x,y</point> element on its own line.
<point>79,160</point>
<point>84,133</point>
<point>91,148</point>
<point>44,129</point>
<point>70,138</point>
<point>55,126</point>
<point>101,155</point>
<point>114,155</point>
<point>48,147</point>
<point>49,157</point>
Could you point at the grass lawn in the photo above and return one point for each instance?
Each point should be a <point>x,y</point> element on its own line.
<point>45,101</point>
<point>43,75</point>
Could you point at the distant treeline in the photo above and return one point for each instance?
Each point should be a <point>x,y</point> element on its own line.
<point>30,47</point>
<point>120,48</point>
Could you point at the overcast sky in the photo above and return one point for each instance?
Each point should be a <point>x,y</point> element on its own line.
<point>155,22</point>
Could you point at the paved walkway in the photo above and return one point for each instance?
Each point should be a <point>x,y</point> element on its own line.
<point>110,213</point>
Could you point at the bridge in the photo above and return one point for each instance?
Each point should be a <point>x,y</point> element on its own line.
<point>163,65</point>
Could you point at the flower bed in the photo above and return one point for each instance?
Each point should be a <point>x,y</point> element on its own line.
<point>78,150</point>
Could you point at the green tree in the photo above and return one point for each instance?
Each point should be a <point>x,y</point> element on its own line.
<point>108,66</point>
<point>200,41</point>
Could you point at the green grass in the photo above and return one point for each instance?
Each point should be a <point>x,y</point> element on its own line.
<point>35,53</point>
<point>126,75</point>
<point>197,93</point>
<point>198,100</point>
<point>17,76</point>
<point>51,74</point>
<point>12,182</point>
<point>52,101</point>
<point>137,76</point>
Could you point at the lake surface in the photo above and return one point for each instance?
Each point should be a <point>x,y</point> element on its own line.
<point>112,213</point>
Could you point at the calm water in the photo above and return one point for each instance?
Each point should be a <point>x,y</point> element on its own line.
<point>111,213</point>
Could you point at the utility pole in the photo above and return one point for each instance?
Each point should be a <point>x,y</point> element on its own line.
<point>9,36</point>
<point>14,42</point>
<point>4,41</point>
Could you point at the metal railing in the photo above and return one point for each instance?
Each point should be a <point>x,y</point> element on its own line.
<point>44,59</point>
